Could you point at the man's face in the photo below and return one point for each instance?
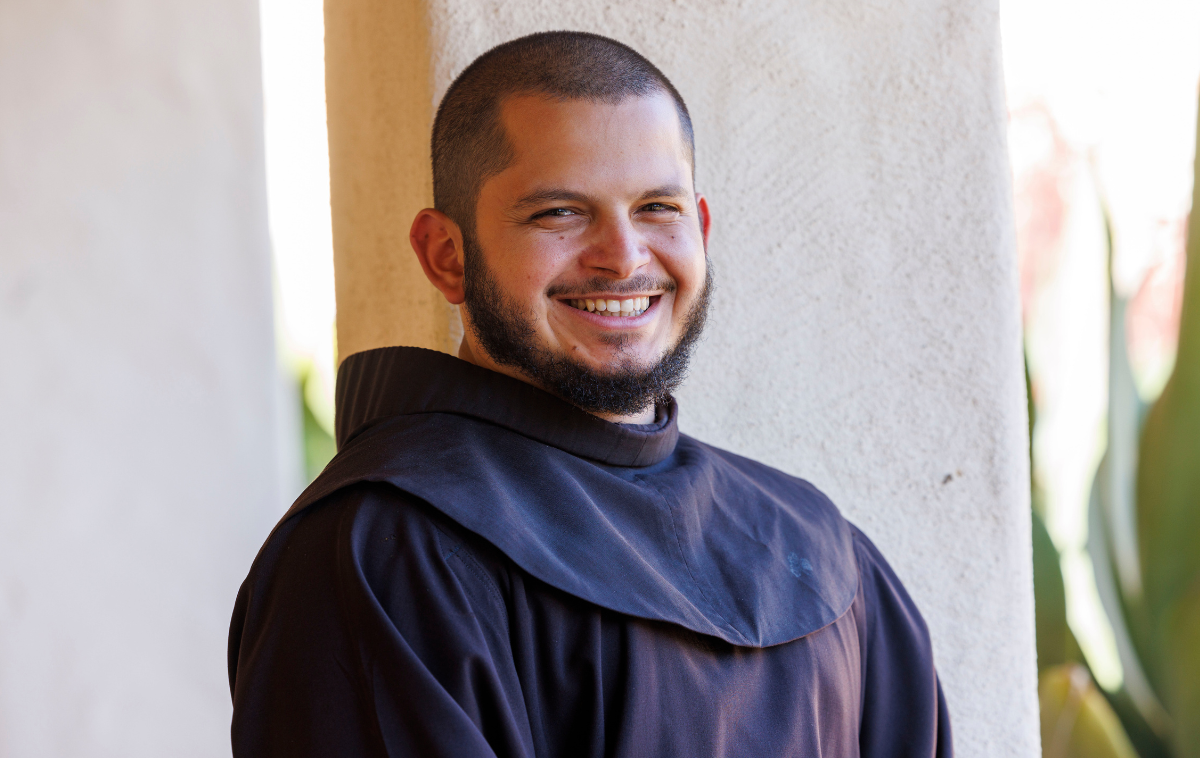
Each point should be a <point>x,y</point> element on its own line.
<point>597,207</point>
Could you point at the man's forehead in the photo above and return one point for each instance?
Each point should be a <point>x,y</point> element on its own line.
<point>637,135</point>
<point>530,120</point>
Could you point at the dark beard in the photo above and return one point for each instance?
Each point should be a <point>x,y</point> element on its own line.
<point>508,335</point>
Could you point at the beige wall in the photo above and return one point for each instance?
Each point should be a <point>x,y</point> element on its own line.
<point>379,111</point>
<point>137,379</point>
<point>865,330</point>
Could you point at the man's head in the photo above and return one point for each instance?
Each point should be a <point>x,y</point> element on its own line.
<point>563,175</point>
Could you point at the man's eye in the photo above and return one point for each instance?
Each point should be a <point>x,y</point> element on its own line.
<point>556,212</point>
<point>658,207</point>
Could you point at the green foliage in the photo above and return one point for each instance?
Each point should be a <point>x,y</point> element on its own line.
<point>1167,626</point>
<point>319,445</point>
<point>1055,643</point>
<point>1077,721</point>
<point>1113,534</point>
<point>1143,527</point>
<point>1145,740</point>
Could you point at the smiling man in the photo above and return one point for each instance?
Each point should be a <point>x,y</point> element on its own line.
<point>515,551</point>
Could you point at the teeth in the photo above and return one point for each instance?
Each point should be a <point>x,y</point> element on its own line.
<point>635,306</point>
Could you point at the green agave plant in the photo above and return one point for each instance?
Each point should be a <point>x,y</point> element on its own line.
<point>1165,628</point>
<point>1144,530</point>
<point>1077,721</point>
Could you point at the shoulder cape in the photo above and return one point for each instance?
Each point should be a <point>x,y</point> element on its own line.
<point>648,523</point>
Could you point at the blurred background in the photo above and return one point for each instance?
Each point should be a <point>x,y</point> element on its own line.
<point>1102,100</point>
<point>1102,104</point>
<point>1102,137</point>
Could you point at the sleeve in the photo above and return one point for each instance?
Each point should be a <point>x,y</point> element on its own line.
<point>904,711</point>
<point>362,631</point>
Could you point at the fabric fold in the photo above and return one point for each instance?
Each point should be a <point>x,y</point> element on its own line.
<point>646,522</point>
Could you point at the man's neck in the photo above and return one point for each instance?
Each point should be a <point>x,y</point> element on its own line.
<point>483,360</point>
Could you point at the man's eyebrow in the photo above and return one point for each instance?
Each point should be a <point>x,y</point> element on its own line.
<point>667,190</point>
<point>552,194</point>
<point>558,194</point>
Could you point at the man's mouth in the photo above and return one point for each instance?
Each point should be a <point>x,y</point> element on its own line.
<point>626,308</point>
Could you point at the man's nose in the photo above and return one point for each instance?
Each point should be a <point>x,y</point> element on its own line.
<point>618,247</point>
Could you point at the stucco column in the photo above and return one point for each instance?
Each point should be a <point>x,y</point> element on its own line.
<point>138,384</point>
<point>865,331</point>
<point>380,107</point>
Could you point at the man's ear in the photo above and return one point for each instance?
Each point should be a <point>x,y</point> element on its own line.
<point>437,241</point>
<point>705,218</point>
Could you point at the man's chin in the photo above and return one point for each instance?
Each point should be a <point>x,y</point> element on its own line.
<point>607,365</point>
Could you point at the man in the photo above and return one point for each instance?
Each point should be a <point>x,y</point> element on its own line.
<point>515,552</point>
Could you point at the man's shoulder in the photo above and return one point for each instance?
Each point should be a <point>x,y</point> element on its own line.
<point>366,529</point>
<point>371,557</point>
<point>759,475</point>
<point>887,600</point>
<point>870,558</point>
<point>357,511</point>
<point>364,575</point>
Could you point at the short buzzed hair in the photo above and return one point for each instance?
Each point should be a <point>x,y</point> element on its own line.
<point>469,144</point>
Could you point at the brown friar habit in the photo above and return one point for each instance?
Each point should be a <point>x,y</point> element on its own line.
<point>485,570</point>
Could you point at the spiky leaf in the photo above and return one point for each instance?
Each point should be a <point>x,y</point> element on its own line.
<point>1055,645</point>
<point>1077,721</point>
<point>1168,495</point>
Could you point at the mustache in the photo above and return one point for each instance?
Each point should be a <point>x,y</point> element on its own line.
<point>600,285</point>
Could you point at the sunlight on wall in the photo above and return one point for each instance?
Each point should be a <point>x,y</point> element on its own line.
<point>298,198</point>
<point>1102,107</point>
<point>1102,99</point>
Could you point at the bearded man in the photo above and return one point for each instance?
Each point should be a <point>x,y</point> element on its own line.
<point>515,552</point>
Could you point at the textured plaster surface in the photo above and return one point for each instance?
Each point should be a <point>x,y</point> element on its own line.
<point>137,384</point>
<point>865,330</point>
<point>380,110</point>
